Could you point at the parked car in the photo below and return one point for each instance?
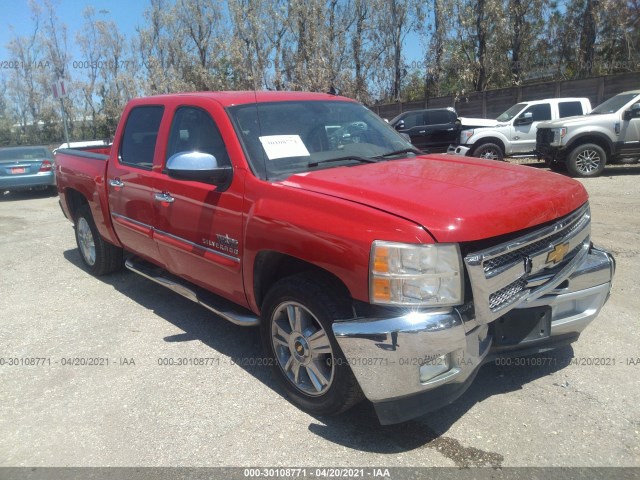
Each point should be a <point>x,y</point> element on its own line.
<point>26,167</point>
<point>584,145</point>
<point>514,131</point>
<point>431,130</point>
<point>372,270</point>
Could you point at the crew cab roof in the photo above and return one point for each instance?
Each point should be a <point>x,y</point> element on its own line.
<point>229,98</point>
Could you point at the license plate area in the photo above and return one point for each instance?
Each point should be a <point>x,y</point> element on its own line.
<point>18,170</point>
<point>522,326</point>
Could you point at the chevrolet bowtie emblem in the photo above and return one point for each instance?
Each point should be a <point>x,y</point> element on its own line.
<point>556,255</point>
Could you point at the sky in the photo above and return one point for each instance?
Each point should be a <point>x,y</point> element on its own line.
<point>16,19</point>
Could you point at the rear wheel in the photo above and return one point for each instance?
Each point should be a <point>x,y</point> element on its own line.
<point>490,151</point>
<point>298,340</point>
<point>587,161</point>
<point>99,257</point>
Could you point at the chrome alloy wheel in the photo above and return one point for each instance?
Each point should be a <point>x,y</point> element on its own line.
<point>86,242</point>
<point>588,161</point>
<point>490,154</point>
<point>302,348</point>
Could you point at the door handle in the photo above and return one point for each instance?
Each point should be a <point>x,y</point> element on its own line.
<point>422,131</point>
<point>116,182</point>
<point>164,197</point>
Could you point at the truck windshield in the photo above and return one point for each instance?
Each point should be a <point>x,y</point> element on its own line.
<point>283,138</point>
<point>613,104</point>
<point>512,112</point>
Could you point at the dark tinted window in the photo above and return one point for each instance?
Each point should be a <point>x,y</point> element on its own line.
<point>193,130</point>
<point>570,109</point>
<point>540,112</point>
<point>140,135</point>
<point>413,119</point>
<point>439,117</point>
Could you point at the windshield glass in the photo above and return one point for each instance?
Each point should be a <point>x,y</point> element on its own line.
<point>512,112</point>
<point>613,104</point>
<point>283,138</point>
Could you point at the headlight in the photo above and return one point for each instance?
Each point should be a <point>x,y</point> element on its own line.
<point>558,135</point>
<point>421,275</point>
<point>465,135</point>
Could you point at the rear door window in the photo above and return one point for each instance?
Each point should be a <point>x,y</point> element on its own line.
<point>570,109</point>
<point>140,136</point>
<point>438,117</point>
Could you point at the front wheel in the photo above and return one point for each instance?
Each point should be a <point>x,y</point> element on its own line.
<point>490,151</point>
<point>298,340</point>
<point>99,257</point>
<point>587,161</point>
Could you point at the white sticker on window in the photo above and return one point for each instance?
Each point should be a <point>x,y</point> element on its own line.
<point>282,146</point>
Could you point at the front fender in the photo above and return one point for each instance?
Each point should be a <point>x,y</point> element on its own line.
<point>328,232</point>
<point>492,135</point>
<point>588,136</point>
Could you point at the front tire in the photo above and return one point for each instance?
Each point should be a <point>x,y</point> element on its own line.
<point>98,256</point>
<point>298,340</point>
<point>586,161</point>
<point>490,151</point>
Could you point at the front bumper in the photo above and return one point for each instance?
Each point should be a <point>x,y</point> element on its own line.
<point>458,150</point>
<point>388,355</point>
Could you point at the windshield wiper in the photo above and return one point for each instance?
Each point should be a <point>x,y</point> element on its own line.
<point>342,159</point>
<point>398,152</point>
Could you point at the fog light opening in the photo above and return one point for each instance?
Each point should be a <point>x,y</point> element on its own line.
<point>434,366</point>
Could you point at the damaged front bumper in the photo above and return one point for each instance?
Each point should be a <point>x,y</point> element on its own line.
<point>418,361</point>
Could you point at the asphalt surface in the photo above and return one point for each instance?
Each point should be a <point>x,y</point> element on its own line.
<point>120,406</point>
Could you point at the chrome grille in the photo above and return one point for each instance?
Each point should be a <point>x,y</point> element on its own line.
<point>532,249</point>
<point>505,295</point>
<point>501,275</point>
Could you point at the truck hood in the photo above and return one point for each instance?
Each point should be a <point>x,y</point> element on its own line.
<point>467,122</point>
<point>456,199</point>
<point>580,120</point>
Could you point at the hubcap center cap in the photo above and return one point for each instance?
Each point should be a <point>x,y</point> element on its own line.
<point>300,349</point>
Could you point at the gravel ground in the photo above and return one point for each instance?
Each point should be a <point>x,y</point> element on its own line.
<point>135,412</point>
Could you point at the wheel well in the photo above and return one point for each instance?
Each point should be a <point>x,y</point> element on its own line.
<point>74,201</point>
<point>601,142</point>
<point>272,266</point>
<point>486,140</point>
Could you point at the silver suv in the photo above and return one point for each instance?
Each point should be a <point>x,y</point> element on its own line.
<point>584,145</point>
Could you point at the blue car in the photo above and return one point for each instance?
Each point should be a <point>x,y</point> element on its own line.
<point>26,167</point>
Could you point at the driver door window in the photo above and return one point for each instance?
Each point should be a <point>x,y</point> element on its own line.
<point>193,130</point>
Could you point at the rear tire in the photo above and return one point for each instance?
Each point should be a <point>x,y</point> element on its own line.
<point>490,151</point>
<point>98,256</point>
<point>586,161</point>
<point>298,340</point>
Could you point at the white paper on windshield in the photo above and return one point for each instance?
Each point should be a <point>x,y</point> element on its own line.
<point>282,146</point>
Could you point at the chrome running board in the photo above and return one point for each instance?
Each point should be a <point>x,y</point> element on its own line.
<point>218,305</point>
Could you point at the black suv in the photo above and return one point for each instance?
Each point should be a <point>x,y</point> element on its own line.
<point>432,130</point>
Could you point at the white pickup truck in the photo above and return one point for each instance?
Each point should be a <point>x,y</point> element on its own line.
<point>514,132</point>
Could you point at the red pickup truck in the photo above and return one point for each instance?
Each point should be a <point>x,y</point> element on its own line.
<point>373,270</point>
